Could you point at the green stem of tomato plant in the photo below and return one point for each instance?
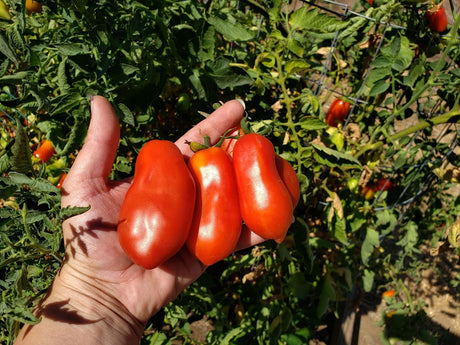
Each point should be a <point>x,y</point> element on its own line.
<point>450,116</point>
<point>288,101</point>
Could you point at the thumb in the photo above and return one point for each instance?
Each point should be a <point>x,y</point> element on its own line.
<point>96,157</point>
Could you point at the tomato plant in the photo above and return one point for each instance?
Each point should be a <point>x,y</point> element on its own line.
<point>437,18</point>
<point>45,151</point>
<point>266,204</point>
<point>217,221</point>
<point>337,112</point>
<point>157,211</point>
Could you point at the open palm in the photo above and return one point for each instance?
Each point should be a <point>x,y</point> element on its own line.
<point>93,253</point>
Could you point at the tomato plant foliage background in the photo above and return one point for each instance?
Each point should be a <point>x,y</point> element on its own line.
<point>165,65</point>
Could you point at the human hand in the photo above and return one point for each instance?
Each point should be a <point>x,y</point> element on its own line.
<point>98,284</point>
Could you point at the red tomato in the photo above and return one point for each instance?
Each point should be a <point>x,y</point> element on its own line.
<point>217,221</point>
<point>45,151</point>
<point>337,112</point>
<point>285,170</point>
<point>437,18</point>
<point>383,184</point>
<point>157,211</point>
<point>265,202</point>
<point>289,177</point>
<point>61,180</point>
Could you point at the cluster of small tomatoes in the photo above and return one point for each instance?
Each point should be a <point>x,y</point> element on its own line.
<point>205,202</point>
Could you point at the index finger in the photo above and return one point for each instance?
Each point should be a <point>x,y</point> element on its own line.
<point>222,119</point>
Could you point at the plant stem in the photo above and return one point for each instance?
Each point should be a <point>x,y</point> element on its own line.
<point>445,118</point>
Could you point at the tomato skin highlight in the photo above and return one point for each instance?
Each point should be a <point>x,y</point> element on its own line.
<point>265,203</point>
<point>157,211</point>
<point>337,112</point>
<point>217,222</point>
<point>437,18</point>
<point>45,151</point>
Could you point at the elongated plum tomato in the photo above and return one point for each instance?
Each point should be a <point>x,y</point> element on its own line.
<point>437,18</point>
<point>217,222</point>
<point>337,112</point>
<point>285,170</point>
<point>157,211</point>
<point>289,178</point>
<point>45,151</point>
<point>265,203</point>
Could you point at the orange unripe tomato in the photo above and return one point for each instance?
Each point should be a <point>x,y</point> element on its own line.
<point>389,293</point>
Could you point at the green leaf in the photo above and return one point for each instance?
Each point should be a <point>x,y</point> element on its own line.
<point>368,280</point>
<point>301,337</point>
<point>66,102</point>
<point>127,115</point>
<point>36,184</point>
<point>313,20</point>
<point>230,31</point>
<point>5,163</point>
<point>338,229</point>
<point>295,47</point>
<point>233,334</point>
<point>72,49</point>
<point>68,212</point>
<point>18,77</point>
<point>327,295</point>
<point>197,85</point>
<point>416,71</point>
<point>21,159</point>
<point>379,87</point>
<point>312,124</point>
<point>128,69</point>
<point>6,192</point>
<point>296,65</point>
<point>370,242</point>
<point>77,133</point>
<point>62,77</point>
<point>333,158</point>
<point>6,50</point>
<point>299,285</point>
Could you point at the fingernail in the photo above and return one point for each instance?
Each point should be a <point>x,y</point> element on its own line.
<point>242,103</point>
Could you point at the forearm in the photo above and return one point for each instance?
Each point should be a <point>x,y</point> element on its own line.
<point>81,314</point>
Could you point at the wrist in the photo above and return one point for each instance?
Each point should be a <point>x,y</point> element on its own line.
<point>79,309</point>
